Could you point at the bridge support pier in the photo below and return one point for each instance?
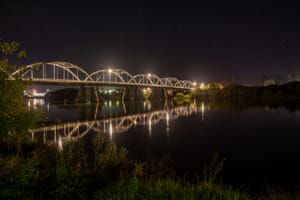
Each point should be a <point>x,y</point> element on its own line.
<point>94,94</point>
<point>87,95</point>
<point>158,94</point>
<point>170,93</point>
<point>133,93</point>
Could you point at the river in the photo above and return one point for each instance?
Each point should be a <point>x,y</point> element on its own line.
<point>259,143</point>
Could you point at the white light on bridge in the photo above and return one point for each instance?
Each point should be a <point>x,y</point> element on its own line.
<point>194,83</point>
<point>149,75</point>
<point>109,70</point>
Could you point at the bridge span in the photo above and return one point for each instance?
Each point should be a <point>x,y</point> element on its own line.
<point>131,87</point>
<point>71,74</point>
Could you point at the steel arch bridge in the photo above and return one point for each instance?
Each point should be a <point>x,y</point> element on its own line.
<point>67,73</point>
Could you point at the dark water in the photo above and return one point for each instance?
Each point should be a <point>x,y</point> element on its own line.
<point>260,144</point>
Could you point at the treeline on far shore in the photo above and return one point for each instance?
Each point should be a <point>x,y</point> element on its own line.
<point>289,92</point>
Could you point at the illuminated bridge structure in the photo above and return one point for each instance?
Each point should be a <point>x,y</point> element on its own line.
<point>68,73</point>
<point>63,133</point>
<point>131,87</point>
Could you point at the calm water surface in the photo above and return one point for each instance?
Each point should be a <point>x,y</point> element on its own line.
<point>260,144</point>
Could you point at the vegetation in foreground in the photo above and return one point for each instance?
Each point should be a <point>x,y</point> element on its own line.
<point>43,172</point>
<point>32,170</point>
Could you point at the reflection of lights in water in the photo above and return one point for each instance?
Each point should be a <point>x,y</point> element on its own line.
<point>118,103</point>
<point>117,125</point>
<point>109,104</point>
<point>150,127</point>
<point>60,143</point>
<point>167,119</point>
<point>48,107</point>
<point>34,103</point>
<point>104,129</point>
<point>105,103</point>
<point>168,125</point>
<point>267,108</point>
<point>168,130</point>
<point>110,129</point>
<point>144,104</point>
<point>202,110</point>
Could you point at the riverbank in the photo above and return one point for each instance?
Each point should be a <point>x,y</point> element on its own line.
<point>289,92</point>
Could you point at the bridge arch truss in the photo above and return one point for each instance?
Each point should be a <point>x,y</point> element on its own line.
<point>70,73</point>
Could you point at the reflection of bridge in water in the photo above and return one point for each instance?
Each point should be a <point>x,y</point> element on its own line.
<point>65,132</point>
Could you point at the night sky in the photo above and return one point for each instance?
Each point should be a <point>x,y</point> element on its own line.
<point>202,40</point>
